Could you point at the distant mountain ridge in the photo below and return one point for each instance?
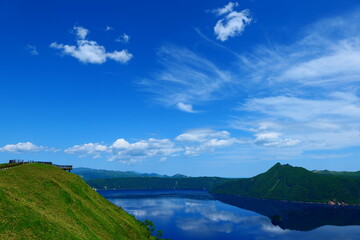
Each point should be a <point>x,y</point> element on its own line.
<point>90,174</point>
<point>338,173</point>
<point>285,182</point>
<point>280,182</point>
<point>157,183</point>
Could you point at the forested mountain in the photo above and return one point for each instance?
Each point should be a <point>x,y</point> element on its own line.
<point>290,183</point>
<point>89,174</point>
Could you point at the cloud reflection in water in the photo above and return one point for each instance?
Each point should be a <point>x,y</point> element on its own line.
<point>187,218</point>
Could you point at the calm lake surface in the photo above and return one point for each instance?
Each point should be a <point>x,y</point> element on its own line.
<point>198,215</point>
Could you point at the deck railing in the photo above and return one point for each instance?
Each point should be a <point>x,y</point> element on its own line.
<point>16,162</point>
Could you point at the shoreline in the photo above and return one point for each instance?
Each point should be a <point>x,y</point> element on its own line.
<point>158,192</point>
<point>290,201</point>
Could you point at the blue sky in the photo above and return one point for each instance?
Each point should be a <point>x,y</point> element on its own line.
<point>193,87</point>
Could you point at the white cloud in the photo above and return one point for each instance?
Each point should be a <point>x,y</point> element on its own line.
<point>133,152</point>
<point>122,56</point>
<point>272,139</point>
<point>209,146</point>
<point>215,143</point>
<point>206,140</point>
<point>123,38</point>
<point>32,49</point>
<point>87,51</point>
<point>193,142</point>
<point>326,123</point>
<point>233,24</point>
<point>185,107</point>
<point>187,79</point>
<point>127,152</point>
<point>81,32</point>
<point>22,147</point>
<point>301,109</point>
<point>89,149</point>
<point>345,59</point>
<point>226,9</point>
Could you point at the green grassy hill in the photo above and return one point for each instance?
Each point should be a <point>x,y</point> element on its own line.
<point>44,202</point>
<point>158,183</point>
<point>286,182</point>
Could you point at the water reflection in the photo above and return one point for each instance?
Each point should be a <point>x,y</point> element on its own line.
<point>298,216</point>
<point>197,215</point>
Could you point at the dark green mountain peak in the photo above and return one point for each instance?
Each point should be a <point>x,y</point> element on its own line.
<point>285,182</point>
<point>279,167</point>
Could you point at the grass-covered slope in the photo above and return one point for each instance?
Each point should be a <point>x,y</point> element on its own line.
<point>295,184</point>
<point>44,202</point>
<point>158,183</point>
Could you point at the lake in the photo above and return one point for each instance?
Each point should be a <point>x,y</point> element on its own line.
<point>198,215</point>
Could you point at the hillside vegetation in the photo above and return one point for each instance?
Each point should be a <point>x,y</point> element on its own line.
<point>158,183</point>
<point>44,202</point>
<point>338,173</point>
<point>286,182</point>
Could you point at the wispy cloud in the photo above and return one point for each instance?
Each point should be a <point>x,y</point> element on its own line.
<point>108,28</point>
<point>209,146</point>
<point>304,95</point>
<point>124,38</point>
<point>215,43</point>
<point>87,51</point>
<point>326,123</point>
<point>205,140</point>
<point>273,139</point>
<point>308,99</point>
<point>32,49</point>
<point>202,135</point>
<point>338,104</point>
<point>187,79</point>
<point>327,53</point>
<point>232,23</point>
